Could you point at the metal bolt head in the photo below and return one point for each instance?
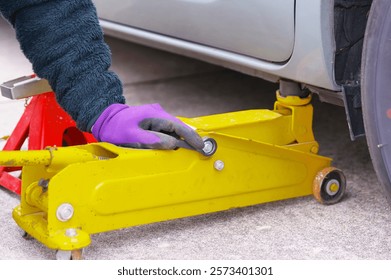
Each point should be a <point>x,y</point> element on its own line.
<point>314,149</point>
<point>43,183</point>
<point>208,147</point>
<point>219,165</point>
<point>64,212</point>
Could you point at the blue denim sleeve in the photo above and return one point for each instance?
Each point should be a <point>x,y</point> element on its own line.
<point>64,42</point>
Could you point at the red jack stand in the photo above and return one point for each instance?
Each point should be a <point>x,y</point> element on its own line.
<point>44,123</point>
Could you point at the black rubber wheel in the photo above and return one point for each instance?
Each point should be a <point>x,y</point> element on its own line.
<point>376,89</point>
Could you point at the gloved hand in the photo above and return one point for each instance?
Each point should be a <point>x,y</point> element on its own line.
<point>144,126</point>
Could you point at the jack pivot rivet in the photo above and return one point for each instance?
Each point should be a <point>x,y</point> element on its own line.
<point>64,212</point>
<point>218,165</point>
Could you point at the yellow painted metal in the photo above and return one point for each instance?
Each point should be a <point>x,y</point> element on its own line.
<point>262,156</point>
<point>334,187</point>
<point>25,158</point>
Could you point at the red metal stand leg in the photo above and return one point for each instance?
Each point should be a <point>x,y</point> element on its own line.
<point>44,123</point>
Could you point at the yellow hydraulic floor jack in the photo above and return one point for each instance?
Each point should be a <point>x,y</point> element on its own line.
<point>250,157</point>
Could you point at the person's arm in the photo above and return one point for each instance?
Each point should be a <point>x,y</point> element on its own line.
<point>64,42</point>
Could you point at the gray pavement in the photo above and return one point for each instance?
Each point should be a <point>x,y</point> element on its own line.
<point>358,227</point>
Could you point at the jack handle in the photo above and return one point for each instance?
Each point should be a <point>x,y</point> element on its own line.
<point>25,158</point>
<point>58,158</point>
<point>55,158</point>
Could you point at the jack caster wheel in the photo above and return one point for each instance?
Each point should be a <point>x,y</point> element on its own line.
<point>27,236</point>
<point>69,255</point>
<point>329,186</point>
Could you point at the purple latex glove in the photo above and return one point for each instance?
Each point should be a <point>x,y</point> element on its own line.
<point>145,126</point>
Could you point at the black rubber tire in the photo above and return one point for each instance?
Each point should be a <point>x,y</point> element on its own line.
<point>376,90</point>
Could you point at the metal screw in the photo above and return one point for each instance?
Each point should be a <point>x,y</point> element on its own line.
<point>64,212</point>
<point>218,165</point>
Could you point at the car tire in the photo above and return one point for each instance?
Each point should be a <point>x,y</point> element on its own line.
<point>376,90</point>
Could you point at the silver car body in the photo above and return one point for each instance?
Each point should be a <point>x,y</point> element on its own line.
<point>269,39</point>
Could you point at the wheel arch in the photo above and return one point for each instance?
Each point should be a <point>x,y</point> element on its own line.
<point>350,22</point>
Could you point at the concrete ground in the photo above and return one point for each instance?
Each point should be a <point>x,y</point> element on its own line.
<point>359,227</point>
